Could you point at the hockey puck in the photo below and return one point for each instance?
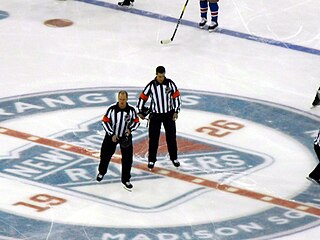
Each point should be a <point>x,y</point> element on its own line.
<point>58,23</point>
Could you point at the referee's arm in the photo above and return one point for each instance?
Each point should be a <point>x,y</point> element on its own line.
<point>176,96</point>
<point>106,122</point>
<point>135,123</point>
<point>144,96</point>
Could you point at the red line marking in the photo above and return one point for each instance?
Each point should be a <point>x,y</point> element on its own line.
<point>184,144</point>
<point>280,202</point>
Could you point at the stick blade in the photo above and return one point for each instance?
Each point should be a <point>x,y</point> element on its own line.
<point>166,41</point>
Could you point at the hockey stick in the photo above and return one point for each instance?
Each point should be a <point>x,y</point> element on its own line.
<point>166,41</point>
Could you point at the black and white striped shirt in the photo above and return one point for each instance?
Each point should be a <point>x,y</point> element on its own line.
<point>116,120</point>
<point>317,139</point>
<point>164,96</point>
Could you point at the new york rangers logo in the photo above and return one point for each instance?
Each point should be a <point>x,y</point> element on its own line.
<point>226,158</point>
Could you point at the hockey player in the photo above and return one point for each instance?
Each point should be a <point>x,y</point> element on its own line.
<point>165,105</point>
<point>316,101</point>
<point>126,3</point>
<point>314,176</point>
<point>214,8</point>
<point>119,121</point>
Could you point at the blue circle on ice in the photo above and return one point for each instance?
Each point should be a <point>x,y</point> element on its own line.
<point>267,224</point>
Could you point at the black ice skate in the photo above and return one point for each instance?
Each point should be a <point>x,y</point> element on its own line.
<point>313,180</point>
<point>176,163</point>
<point>126,3</point>
<point>150,165</point>
<point>99,177</point>
<point>212,27</point>
<point>202,23</point>
<point>128,186</point>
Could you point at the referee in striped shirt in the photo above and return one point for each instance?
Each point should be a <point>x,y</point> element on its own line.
<point>314,176</point>
<point>118,122</point>
<point>165,106</point>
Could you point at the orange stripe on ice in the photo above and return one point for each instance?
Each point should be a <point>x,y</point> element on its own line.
<point>280,202</point>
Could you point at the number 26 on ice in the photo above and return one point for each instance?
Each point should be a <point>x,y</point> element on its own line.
<point>220,128</point>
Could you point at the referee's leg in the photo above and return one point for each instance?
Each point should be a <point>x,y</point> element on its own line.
<point>154,135</point>
<point>170,128</point>
<point>315,174</point>
<point>108,148</point>
<point>126,162</point>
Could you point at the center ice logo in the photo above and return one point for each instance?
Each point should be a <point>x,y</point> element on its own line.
<point>69,171</point>
<point>221,139</point>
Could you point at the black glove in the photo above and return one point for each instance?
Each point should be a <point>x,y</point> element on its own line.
<point>125,141</point>
<point>145,111</point>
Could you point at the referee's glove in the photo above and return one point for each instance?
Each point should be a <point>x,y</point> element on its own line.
<point>141,116</point>
<point>128,132</point>
<point>175,116</point>
<point>115,138</point>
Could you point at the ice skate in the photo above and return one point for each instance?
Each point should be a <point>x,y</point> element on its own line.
<point>202,23</point>
<point>212,27</point>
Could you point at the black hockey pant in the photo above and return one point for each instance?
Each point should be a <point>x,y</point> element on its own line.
<point>108,148</point>
<point>316,100</point>
<point>156,119</point>
<point>315,174</point>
